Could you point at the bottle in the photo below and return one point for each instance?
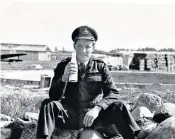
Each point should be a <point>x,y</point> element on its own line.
<point>74,77</point>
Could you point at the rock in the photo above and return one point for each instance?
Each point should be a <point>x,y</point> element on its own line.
<point>143,116</point>
<point>163,112</point>
<point>145,123</point>
<point>19,123</point>
<point>151,101</point>
<point>29,133</point>
<point>73,134</point>
<point>5,133</point>
<point>64,134</point>
<point>4,117</point>
<point>22,129</point>
<point>146,126</point>
<point>141,112</point>
<point>31,116</point>
<point>90,134</point>
<point>5,123</point>
<point>165,130</point>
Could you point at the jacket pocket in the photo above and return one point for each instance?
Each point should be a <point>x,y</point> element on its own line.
<point>94,78</point>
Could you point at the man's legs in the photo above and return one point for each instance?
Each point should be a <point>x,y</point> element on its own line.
<point>52,113</point>
<point>119,115</point>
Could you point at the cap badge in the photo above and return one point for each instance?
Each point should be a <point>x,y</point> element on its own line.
<point>85,31</point>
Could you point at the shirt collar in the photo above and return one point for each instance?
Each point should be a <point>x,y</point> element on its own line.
<point>84,63</point>
<point>88,64</point>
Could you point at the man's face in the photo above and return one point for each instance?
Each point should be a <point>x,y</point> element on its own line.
<point>84,49</point>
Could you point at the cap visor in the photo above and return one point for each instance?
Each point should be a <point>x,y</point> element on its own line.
<point>85,38</point>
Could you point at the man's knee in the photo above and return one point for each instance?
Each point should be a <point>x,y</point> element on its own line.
<point>120,105</point>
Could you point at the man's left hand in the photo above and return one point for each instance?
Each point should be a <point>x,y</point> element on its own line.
<point>91,115</point>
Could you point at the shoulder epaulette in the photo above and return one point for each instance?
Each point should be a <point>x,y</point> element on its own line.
<point>63,62</point>
<point>98,60</point>
<point>66,60</point>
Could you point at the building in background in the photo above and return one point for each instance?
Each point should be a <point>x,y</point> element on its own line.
<point>34,52</point>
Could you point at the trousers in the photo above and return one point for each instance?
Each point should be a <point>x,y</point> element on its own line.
<point>53,113</point>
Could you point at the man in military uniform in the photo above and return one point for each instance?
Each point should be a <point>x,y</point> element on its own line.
<point>77,105</point>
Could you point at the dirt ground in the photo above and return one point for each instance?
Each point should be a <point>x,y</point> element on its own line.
<point>30,75</point>
<point>25,90</point>
<point>133,83</point>
<point>118,76</point>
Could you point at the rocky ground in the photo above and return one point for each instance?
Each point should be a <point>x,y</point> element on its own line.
<point>153,109</point>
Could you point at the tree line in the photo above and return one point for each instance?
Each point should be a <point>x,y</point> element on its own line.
<point>120,49</point>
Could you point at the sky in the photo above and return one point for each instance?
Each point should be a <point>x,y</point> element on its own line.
<point>119,24</point>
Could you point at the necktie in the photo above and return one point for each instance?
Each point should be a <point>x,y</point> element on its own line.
<point>82,68</point>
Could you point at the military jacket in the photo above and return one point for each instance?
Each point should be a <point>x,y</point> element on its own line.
<point>96,81</point>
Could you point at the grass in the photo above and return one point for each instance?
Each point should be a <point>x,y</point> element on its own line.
<point>166,92</point>
<point>15,105</point>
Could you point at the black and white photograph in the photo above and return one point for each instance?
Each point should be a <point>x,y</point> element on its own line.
<point>87,69</point>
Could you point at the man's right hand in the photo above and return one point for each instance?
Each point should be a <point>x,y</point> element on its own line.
<point>70,68</point>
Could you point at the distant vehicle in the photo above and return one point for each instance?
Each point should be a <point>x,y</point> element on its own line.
<point>7,57</point>
<point>36,66</point>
